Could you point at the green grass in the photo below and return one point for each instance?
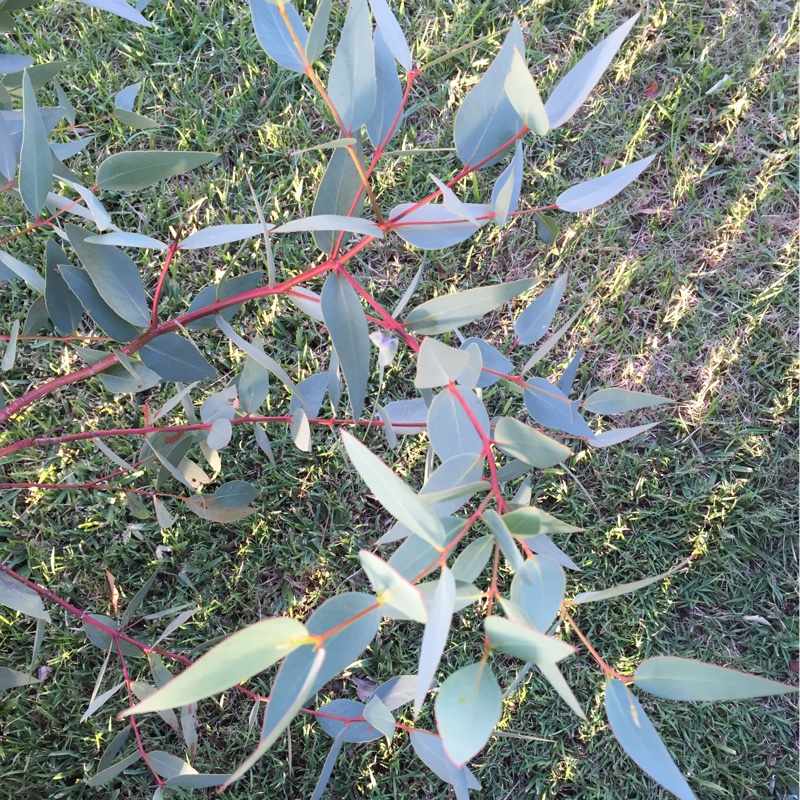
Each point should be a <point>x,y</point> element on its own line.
<point>690,292</point>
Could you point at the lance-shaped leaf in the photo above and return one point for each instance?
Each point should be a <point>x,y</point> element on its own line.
<point>617,401</point>
<point>389,94</point>
<point>468,707</point>
<point>568,376</point>
<point>576,85</point>
<point>252,385</point>
<point>8,151</point>
<point>449,311</point>
<point>351,85</point>
<point>221,234</point>
<point>392,588</point>
<point>434,227</point>
<point>393,493</point>
<point>530,520</point>
<point>120,9</point>
<point>539,590</point>
<point>330,761</point>
<point>16,595</point>
<point>438,364</point>
<point>503,538</point>
<point>282,42</point>
<point>450,425</point>
<point>12,679</point>
<point>80,284</point>
<point>125,239</point>
<point>115,276</point>
<point>536,319</point>
<point>440,613</point>
<point>617,435</point>
<point>685,679</point>
<point>525,642</point>
<point>347,323</point>
<point>340,190</point>
<point>553,676</point>
<point>391,32</point>
<point>524,96</point>
<point>550,407</point>
<point>331,222</point>
<point>521,441</point>
<point>625,588</point>
<point>290,707</point>
<point>506,191</point>
<point>318,35</point>
<point>176,358</point>
<point>452,203</point>
<point>593,192</point>
<point>304,672</point>
<point>108,774</point>
<point>237,658</point>
<point>486,120</point>
<point>639,739</point>
<point>128,172</point>
<point>432,753</point>
<point>36,162</point>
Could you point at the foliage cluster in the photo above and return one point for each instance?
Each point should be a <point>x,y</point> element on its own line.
<point>471,541</point>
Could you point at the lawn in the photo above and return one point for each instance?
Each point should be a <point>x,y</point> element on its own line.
<point>684,286</point>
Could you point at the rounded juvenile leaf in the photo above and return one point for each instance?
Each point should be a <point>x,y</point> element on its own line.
<point>438,364</point>
<point>639,739</point>
<point>237,658</point>
<point>175,358</point>
<point>539,590</point>
<point>685,679</point>
<point>450,427</point>
<point>468,708</point>
<point>351,728</point>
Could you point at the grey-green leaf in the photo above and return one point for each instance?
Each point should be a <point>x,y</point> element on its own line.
<point>393,493</point>
<point>81,286</point>
<point>534,448</point>
<point>337,193</point>
<point>176,358</point>
<point>449,311</point>
<point>434,227</point>
<point>128,172</point>
<point>347,323</point>
<point>617,401</point>
<point>276,37</point>
<point>506,191</point>
<point>391,32</point>
<point>318,35</point>
<point>525,642</point>
<point>115,276</point>
<point>440,613</point>
<point>468,707</point>
<point>351,84</point>
<point>524,96</point>
<point>438,364</point>
<point>16,595</point>
<point>576,85</point>
<point>389,95</point>
<point>536,319</point>
<point>592,193</point>
<point>539,590</point>
<point>432,753</point>
<point>676,678</point>
<point>639,739</point>
<point>235,659</point>
<point>392,588</point>
<point>486,120</point>
<point>12,679</point>
<point>36,162</point>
